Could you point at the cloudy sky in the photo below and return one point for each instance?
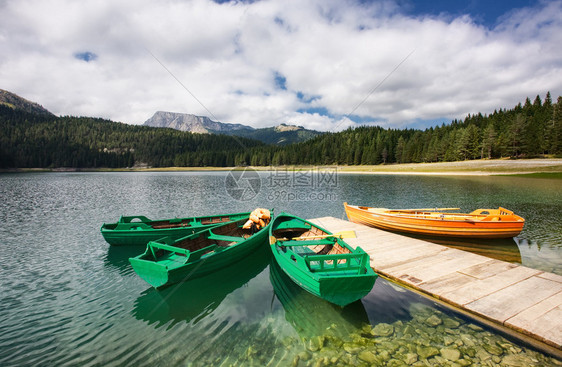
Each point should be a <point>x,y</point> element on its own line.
<point>323,64</point>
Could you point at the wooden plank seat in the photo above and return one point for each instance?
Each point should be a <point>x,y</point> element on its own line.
<point>219,237</point>
<point>294,243</point>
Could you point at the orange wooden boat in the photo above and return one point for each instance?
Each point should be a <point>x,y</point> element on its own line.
<point>481,223</point>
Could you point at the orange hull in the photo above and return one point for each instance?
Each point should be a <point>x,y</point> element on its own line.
<point>481,223</point>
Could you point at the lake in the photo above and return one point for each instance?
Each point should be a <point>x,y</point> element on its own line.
<point>68,298</point>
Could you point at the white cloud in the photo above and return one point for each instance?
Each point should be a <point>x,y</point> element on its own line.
<point>334,53</point>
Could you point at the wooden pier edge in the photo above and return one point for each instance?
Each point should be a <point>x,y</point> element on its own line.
<point>473,285</point>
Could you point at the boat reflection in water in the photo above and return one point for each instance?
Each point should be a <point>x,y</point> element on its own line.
<point>504,249</point>
<point>312,316</point>
<point>117,258</point>
<point>193,300</point>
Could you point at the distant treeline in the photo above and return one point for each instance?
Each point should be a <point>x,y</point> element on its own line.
<point>529,130</point>
<point>43,141</point>
<point>30,140</point>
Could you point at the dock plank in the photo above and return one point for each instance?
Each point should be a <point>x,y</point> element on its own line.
<point>524,299</point>
<point>542,318</point>
<point>507,302</point>
<point>431,267</point>
<point>446,283</point>
<point>487,269</point>
<point>480,288</point>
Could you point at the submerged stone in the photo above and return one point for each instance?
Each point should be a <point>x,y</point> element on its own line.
<point>409,330</point>
<point>368,357</point>
<point>493,349</point>
<point>475,327</point>
<point>315,343</point>
<point>517,360</point>
<point>410,358</point>
<point>333,341</point>
<point>390,347</point>
<point>468,340</point>
<point>482,355</point>
<point>450,323</point>
<point>448,340</point>
<point>304,356</point>
<point>383,329</point>
<point>433,320</point>
<point>351,348</point>
<point>384,354</point>
<point>366,329</point>
<point>450,354</point>
<point>426,352</point>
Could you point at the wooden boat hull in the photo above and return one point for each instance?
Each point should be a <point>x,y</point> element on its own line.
<point>128,232</point>
<point>167,262</point>
<point>431,224</point>
<point>340,278</point>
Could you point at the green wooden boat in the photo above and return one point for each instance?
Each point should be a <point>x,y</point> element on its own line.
<point>167,261</point>
<point>139,230</point>
<point>321,263</point>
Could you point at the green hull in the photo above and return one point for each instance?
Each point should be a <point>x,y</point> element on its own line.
<point>127,232</point>
<point>338,278</point>
<point>164,262</point>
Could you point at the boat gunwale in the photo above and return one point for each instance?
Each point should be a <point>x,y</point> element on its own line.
<point>179,221</point>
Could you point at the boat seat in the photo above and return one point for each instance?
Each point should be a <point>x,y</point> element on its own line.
<point>303,251</point>
<point>219,237</point>
<point>293,224</point>
<point>295,243</point>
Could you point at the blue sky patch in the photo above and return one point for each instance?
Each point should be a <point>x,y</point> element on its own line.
<point>86,56</point>
<point>322,111</point>
<point>484,12</point>
<point>307,98</point>
<point>280,81</point>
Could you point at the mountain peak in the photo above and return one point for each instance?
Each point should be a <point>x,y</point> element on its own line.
<point>14,101</point>
<point>284,127</point>
<point>192,123</point>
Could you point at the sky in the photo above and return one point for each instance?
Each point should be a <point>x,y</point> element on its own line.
<point>322,64</point>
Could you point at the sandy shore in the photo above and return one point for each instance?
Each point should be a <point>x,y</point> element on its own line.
<point>482,167</point>
<point>474,168</point>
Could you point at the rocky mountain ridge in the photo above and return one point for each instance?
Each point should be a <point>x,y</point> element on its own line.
<point>192,123</point>
<point>280,135</point>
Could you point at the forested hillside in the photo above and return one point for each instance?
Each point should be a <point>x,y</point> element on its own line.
<point>42,141</point>
<point>528,130</point>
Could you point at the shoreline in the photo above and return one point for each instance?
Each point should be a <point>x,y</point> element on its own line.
<point>548,166</point>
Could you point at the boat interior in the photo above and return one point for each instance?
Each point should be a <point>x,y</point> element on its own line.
<point>174,223</point>
<point>294,233</point>
<point>500,214</point>
<point>198,245</point>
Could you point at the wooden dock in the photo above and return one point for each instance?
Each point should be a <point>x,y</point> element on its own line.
<point>507,295</point>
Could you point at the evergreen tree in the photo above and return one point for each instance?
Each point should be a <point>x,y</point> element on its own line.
<point>556,128</point>
<point>488,141</point>
<point>400,147</point>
